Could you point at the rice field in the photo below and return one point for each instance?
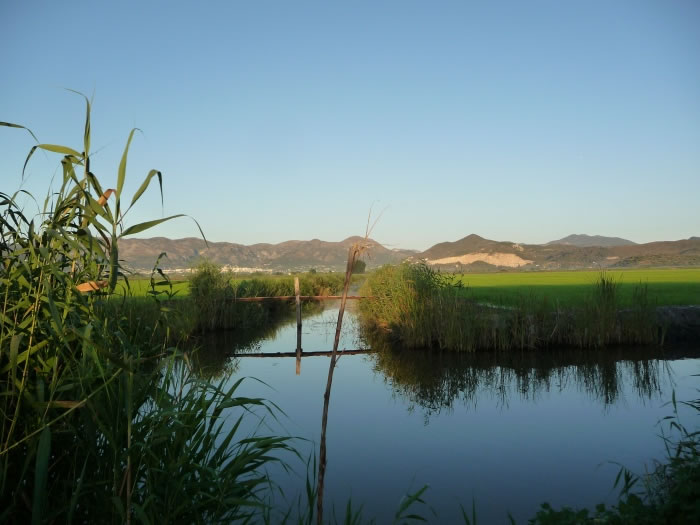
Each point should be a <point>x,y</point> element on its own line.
<point>255,285</point>
<point>568,288</point>
<point>139,287</point>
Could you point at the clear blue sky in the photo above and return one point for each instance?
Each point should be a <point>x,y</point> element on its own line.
<point>522,121</point>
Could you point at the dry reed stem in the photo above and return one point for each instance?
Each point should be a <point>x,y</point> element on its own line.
<point>354,251</point>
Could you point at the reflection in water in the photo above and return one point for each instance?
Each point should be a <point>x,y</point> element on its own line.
<point>212,352</point>
<point>435,381</point>
<point>553,423</point>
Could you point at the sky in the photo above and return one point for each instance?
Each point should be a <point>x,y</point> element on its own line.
<point>516,120</point>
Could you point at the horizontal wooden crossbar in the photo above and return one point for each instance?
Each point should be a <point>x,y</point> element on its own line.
<point>304,354</point>
<point>302,297</point>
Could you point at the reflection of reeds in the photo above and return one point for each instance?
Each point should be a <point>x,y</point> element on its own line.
<point>213,294</point>
<point>212,355</point>
<point>416,307</point>
<point>435,381</point>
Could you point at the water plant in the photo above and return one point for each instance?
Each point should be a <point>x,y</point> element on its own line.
<point>418,307</point>
<point>100,420</point>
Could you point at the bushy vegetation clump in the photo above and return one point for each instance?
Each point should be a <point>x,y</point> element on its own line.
<point>310,283</point>
<point>418,307</point>
<point>211,294</point>
<point>213,297</point>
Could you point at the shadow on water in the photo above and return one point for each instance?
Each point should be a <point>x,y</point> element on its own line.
<point>434,381</point>
<point>213,352</point>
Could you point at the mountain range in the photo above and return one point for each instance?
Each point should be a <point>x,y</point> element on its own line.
<point>141,254</point>
<point>474,253</point>
<point>471,253</point>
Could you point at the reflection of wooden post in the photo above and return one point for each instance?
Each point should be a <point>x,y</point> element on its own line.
<point>296,292</point>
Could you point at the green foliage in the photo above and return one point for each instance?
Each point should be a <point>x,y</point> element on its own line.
<point>311,283</point>
<point>212,294</point>
<point>417,307</point>
<point>100,421</point>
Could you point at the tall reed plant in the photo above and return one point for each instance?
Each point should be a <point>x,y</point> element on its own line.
<point>417,307</point>
<point>100,420</point>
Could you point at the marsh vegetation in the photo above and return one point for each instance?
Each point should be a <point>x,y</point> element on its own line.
<point>111,414</point>
<point>417,307</point>
<point>98,420</point>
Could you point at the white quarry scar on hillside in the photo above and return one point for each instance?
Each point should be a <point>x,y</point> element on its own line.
<point>497,259</point>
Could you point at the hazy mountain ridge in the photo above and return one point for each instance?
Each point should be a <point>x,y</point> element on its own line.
<point>474,253</point>
<point>471,253</point>
<point>584,241</point>
<point>141,254</point>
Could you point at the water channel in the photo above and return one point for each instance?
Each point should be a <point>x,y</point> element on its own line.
<point>507,432</point>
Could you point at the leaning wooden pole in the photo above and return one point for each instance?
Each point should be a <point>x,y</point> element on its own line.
<point>296,292</point>
<point>352,255</point>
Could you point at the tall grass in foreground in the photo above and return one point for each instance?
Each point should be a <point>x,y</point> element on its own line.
<point>417,307</point>
<point>98,423</point>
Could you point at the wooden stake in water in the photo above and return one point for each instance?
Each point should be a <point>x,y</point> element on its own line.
<point>298,299</point>
<point>352,255</point>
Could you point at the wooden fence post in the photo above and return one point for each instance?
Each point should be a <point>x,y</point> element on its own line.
<point>297,293</point>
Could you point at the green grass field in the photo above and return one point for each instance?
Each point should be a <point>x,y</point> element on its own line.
<point>140,287</point>
<point>311,284</point>
<point>665,286</point>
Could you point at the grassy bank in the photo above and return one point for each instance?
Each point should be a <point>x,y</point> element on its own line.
<point>207,301</point>
<point>415,307</point>
<point>311,283</point>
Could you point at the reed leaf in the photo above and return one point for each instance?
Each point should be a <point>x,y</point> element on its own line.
<point>41,470</point>
<point>144,187</point>
<point>11,125</point>
<point>121,173</point>
<point>138,228</point>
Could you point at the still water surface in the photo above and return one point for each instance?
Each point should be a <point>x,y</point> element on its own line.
<point>508,432</point>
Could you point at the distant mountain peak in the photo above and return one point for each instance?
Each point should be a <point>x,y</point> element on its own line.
<point>583,240</point>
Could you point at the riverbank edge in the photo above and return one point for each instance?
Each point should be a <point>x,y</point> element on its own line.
<point>672,324</point>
